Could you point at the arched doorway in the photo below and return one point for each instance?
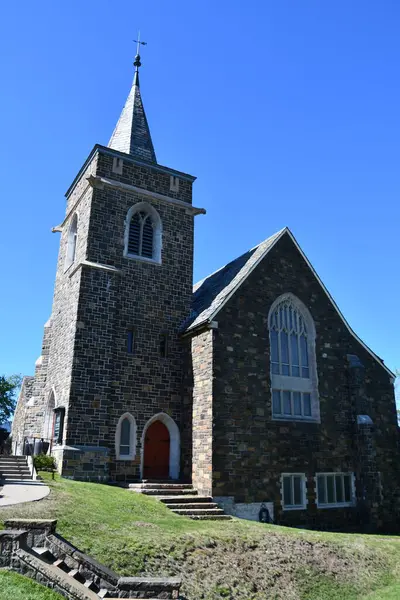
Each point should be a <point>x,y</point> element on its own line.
<point>156,451</point>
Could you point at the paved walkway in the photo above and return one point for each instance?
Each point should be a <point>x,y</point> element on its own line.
<point>24,491</point>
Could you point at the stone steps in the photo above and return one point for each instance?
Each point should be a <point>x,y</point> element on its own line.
<point>185,499</point>
<point>194,512</point>
<point>14,468</point>
<point>191,505</point>
<point>182,499</point>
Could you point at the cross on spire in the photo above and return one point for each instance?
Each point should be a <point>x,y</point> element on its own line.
<point>137,62</point>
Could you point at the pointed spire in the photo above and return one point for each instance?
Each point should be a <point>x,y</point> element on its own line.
<point>132,134</point>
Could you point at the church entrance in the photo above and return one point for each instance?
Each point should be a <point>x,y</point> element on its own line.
<point>156,452</point>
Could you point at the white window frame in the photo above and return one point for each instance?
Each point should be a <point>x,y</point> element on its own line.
<point>157,232</point>
<point>297,384</point>
<point>72,241</point>
<point>132,438</point>
<point>303,488</point>
<point>352,501</point>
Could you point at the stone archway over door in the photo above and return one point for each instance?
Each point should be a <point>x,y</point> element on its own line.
<point>156,451</point>
<point>174,444</point>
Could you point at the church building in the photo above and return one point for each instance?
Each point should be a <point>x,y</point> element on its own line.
<point>251,385</point>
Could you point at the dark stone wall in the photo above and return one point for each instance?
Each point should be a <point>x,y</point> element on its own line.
<point>250,449</point>
<point>107,381</point>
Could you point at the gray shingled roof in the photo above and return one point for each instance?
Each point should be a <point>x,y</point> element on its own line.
<point>211,293</point>
<point>132,134</point>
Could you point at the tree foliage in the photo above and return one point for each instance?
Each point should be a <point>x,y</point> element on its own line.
<point>8,392</point>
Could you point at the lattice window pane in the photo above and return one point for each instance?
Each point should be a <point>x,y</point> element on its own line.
<point>287,491</point>
<point>330,489</point>
<point>276,402</point>
<point>134,235</point>
<point>284,353</point>
<point>125,432</point>
<point>339,488</point>
<point>307,405</point>
<point>347,487</point>
<point>297,403</point>
<point>287,405</point>
<point>147,240</point>
<point>274,347</point>
<point>321,489</point>
<point>297,495</point>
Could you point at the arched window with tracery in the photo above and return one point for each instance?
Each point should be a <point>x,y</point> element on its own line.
<point>292,356</point>
<point>125,437</point>
<point>143,233</point>
<point>71,242</point>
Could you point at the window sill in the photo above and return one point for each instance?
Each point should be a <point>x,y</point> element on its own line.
<point>127,457</point>
<point>341,505</point>
<point>152,261</point>
<point>302,507</point>
<point>295,419</point>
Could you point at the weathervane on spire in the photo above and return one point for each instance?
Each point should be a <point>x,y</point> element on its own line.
<point>137,62</point>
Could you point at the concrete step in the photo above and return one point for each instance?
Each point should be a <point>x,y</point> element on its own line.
<point>190,505</point>
<point>198,511</point>
<point>75,574</point>
<point>90,585</point>
<point>44,554</point>
<point>168,492</point>
<point>169,486</point>
<point>103,593</point>
<point>210,517</point>
<point>8,470</point>
<point>184,499</point>
<point>60,564</point>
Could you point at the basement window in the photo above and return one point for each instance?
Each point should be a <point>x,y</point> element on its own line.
<point>293,491</point>
<point>335,490</point>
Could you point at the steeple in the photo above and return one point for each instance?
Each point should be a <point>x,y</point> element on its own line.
<point>132,134</point>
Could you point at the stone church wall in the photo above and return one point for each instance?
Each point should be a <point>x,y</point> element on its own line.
<point>250,449</point>
<point>202,357</point>
<point>147,298</point>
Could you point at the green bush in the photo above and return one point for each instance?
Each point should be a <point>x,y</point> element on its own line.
<point>44,462</point>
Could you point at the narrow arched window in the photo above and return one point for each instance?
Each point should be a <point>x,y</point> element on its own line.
<point>125,437</point>
<point>71,242</point>
<point>292,357</point>
<point>143,233</point>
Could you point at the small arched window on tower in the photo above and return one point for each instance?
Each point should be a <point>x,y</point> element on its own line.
<point>143,233</point>
<point>71,242</point>
<point>294,382</point>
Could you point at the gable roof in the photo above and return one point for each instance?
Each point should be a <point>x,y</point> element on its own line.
<point>213,292</point>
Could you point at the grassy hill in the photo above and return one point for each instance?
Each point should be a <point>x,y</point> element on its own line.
<point>135,534</point>
<point>18,587</point>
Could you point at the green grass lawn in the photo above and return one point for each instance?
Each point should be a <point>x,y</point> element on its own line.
<point>17,587</point>
<point>134,534</point>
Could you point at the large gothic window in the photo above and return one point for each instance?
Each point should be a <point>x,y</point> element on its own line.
<point>292,356</point>
<point>143,233</point>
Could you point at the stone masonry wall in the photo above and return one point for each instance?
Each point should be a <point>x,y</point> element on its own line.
<point>148,298</point>
<point>18,424</point>
<point>250,449</point>
<point>202,445</point>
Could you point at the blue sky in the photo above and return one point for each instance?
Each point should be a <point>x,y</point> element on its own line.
<point>287,112</point>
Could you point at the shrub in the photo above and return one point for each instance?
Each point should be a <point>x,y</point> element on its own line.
<point>44,462</point>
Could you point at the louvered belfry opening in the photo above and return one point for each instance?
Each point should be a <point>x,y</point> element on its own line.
<point>141,234</point>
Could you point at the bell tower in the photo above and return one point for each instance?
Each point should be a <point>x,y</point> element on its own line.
<point>115,363</point>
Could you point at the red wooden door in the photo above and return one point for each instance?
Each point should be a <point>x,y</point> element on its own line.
<point>156,452</point>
